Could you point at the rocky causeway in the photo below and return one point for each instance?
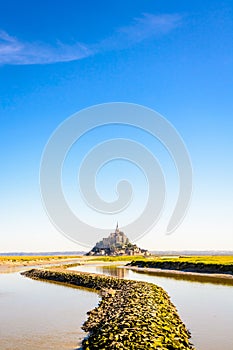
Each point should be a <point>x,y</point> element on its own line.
<point>130,315</point>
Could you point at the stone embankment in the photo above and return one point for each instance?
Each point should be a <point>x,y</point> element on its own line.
<point>131,314</point>
<point>185,266</point>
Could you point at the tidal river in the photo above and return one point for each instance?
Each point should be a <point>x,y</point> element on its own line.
<point>43,316</point>
<point>205,308</point>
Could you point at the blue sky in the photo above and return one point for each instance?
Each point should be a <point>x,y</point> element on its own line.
<point>57,58</point>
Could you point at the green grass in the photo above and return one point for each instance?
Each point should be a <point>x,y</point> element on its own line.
<point>33,258</point>
<point>224,260</point>
<point>118,258</point>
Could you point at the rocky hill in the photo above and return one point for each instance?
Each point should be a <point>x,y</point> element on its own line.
<point>117,243</point>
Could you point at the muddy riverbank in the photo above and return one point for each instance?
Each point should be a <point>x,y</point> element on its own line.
<point>185,266</point>
<point>223,279</point>
<point>14,263</point>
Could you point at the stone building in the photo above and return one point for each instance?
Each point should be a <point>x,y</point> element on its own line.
<point>117,243</point>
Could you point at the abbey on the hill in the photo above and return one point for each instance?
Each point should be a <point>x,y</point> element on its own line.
<point>117,243</point>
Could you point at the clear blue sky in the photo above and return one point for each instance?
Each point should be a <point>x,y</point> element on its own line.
<point>57,57</point>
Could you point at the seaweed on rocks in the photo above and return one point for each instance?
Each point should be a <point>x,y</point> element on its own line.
<point>131,314</point>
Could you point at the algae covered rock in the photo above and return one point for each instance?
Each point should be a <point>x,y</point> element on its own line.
<point>131,314</point>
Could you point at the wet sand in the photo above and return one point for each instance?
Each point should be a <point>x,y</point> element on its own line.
<point>183,274</point>
<point>13,266</point>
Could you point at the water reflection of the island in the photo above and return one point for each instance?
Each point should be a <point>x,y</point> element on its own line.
<point>113,271</point>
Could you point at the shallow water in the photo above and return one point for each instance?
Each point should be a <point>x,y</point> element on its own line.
<point>206,308</point>
<point>40,315</point>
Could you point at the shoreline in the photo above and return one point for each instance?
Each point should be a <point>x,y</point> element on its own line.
<point>176,274</point>
<point>9,266</point>
<point>8,263</point>
<point>198,276</point>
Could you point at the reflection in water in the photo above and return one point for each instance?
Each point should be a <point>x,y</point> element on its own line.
<point>42,316</point>
<point>189,277</point>
<point>206,308</point>
<point>112,271</point>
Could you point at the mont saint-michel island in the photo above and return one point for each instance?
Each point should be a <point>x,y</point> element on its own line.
<point>117,244</point>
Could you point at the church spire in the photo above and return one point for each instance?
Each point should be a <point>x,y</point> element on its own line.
<point>117,228</point>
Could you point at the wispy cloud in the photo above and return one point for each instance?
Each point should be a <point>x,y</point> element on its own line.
<point>16,52</point>
<point>13,51</point>
<point>149,26</point>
